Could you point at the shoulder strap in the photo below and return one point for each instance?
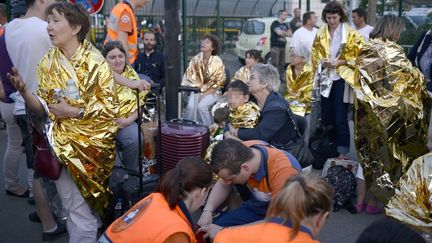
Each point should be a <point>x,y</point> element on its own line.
<point>264,154</point>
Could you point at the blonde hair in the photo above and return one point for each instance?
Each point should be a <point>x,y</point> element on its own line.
<point>301,197</point>
<point>387,27</point>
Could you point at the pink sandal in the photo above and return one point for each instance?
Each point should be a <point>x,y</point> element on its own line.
<point>360,207</point>
<point>373,210</point>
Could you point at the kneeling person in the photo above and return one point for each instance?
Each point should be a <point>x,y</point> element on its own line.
<point>263,169</point>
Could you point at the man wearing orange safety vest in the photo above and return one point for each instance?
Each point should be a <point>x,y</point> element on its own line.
<point>122,26</point>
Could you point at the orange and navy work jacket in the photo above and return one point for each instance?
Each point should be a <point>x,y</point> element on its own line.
<point>279,169</point>
<point>150,220</point>
<point>122,18</point>
<point>275,232</point>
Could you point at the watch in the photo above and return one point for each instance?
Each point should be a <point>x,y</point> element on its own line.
<point>81,113</point>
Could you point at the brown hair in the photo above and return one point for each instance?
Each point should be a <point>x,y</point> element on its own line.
<point>229,154</point>
<point>255,54</point>
<point>215,43</point>
<point>307,16</point>
<point>221,115</point>
<point>387,27</point>
<point>111,45</point>
<point>190,173</point>
<point>302,196</point>
<point>75,14</point>
<point>334,7</point>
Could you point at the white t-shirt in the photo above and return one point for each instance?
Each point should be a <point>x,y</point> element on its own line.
<point>303,36</point>
<point>365,31</point>
<point>27,41</point>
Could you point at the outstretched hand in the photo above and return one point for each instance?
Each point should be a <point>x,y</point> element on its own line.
<point>16,80</point>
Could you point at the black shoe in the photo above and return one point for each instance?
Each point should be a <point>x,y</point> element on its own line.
<point>11,193</point>
<point>34,217</point>
<point>61,229</point>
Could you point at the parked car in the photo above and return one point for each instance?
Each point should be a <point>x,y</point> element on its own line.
<point>255,34</point>
<point>230,28</point>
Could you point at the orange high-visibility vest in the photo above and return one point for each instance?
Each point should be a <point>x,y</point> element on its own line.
<point>150,220</point>
<point>112,29</point>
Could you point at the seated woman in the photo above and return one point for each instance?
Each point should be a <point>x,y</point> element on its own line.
<point>252,57</point>
<point>391,113</point>
<point>81,130</point>
<point>206,71</point>
<point>299,77</point>
<point>127,136</point>
<point>165,216</point>
<point>275,124</point>
<point>296,214</point>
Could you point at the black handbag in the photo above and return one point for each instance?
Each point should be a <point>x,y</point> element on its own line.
<point>323,146</point>
<point>297,147</point>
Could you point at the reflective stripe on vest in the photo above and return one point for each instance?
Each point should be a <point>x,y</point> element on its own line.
<point>112,29</point>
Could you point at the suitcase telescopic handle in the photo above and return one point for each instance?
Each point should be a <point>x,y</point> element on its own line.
<point>184,121</point>
<point>187,88</point>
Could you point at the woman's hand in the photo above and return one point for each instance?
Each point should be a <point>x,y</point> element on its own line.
<point>123,122</point>
<point>211,229</point>
<point>63,110</point>
<point>16,80</point>
<point>233,130</point>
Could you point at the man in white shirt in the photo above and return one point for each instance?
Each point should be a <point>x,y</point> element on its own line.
<point>305,35</point>
<point>27,41</point>
<point>359,21</point>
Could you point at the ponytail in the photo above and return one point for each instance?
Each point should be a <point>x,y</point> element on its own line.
<point>189,174</point>
<point>301,197</point>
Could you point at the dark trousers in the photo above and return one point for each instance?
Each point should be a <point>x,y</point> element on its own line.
<point>334,112</point>
<point>24,125</point>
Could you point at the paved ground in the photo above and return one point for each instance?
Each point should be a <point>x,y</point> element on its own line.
<point>342,226</point>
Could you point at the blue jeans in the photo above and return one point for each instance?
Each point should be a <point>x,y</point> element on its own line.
<point>127,146</point>
<point>335,112</point>
<point>250,211</point>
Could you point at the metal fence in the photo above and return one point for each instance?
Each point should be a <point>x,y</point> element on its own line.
<point>246,19</point>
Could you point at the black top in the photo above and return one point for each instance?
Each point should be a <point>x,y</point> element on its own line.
<point>274,125</point>
<point>275,39</point>
<point>293,24</point>
<point>415,54</point>
<point>152,66</point>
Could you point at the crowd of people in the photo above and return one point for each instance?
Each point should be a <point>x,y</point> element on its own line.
<point>83,101</point>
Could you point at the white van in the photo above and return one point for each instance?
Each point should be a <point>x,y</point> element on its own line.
<point>255,34</point>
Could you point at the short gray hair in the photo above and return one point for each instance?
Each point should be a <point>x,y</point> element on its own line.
<point>268,74</point>
<point>301,51</point>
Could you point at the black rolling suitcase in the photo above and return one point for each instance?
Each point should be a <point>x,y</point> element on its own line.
<point>130,186</point>
<point>180,138</point>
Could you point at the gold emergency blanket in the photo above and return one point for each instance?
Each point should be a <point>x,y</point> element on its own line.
<point>391,115</point>
<point>412,203</point>
<point>127,96</point>
<point>245,116</point>
<point>204,76</point>
<point>299,89</point>
<point>242,74</point>
<point>349,49</point>
<point>84,146</point>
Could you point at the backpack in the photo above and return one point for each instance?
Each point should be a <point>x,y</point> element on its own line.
<point>344,185</point>
<point>323,146</point>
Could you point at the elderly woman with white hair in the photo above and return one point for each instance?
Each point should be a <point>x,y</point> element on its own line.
<point>299,78</point>
<point>275,124</point>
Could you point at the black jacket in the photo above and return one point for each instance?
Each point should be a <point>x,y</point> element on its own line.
<point>275,125</point>
<point>415,54</point>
